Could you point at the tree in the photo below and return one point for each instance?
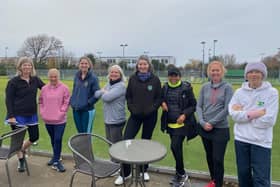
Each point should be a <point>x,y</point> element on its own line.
<point>92,58</point>
<point>193,64</point>
<point>157,65</point>
<point>40,47</point>
<point>229,60</point>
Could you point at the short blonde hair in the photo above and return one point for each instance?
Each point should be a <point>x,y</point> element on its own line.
<point>123,78</point>
<point>23,60</point>
<point>54,70</point>
<point>218,63</point>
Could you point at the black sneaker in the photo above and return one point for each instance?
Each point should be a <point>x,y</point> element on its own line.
<point>21,165</point>
<point>179,180</point>
<point>58,166</point>
<point>50,162</point>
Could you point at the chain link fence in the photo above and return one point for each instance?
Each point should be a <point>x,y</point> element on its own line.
<point>187,75</point>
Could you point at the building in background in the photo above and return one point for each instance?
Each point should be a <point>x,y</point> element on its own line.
<point>131,60</point>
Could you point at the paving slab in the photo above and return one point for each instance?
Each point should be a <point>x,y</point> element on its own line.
<point>42,175</point>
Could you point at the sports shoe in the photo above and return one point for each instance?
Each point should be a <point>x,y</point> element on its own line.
<point>50,162</point>
<point>179,180</point>
<point>210,184</point>
<point>146,176</point>
<point>21,165</point>
<point>58,166</point>
<point>116,173</point>
<point>177,177</point>
<point>119,180</point>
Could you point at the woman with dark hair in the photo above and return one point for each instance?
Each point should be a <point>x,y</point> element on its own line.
<point>82,99</point>
<point>143,96</point>
<point>21,94</point>
<point>178,119</point>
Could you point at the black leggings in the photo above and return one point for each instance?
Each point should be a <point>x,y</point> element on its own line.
<point>176,146</point>
<point>33,132</point>
<point>215,153</point>
<point>132,128</point>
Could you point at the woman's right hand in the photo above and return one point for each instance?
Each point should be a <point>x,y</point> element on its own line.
<point>208,127</point>
<point>237,107</point>
<point>164,106</point>
<point>12,120</point>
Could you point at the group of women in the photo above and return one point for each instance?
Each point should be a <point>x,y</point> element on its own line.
<point>54,100</point>
<point>253,107</point>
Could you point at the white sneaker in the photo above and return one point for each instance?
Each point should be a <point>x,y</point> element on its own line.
<point>146,176</point>
<point>119,180</point>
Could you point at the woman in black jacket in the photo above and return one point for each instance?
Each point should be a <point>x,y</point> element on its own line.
<point>21,94</point>
<point>178,119</point>
<point>143,96</point>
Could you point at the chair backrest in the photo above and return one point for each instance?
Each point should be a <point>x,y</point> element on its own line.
<point>16,140</point>
<point>81,146</point>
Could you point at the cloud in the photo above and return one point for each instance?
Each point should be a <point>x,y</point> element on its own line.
<point>169,27</point>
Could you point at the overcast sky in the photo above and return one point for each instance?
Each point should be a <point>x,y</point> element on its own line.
<point>245,28</point>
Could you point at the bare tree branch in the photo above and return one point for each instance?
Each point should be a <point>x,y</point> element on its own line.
<point>40,47</point>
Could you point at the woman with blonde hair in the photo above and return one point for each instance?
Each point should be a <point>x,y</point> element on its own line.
<point>212,112</point>
<point>21,94</point>
<point>113,97</point>
<point>54,101</point>
<point>82,99</point>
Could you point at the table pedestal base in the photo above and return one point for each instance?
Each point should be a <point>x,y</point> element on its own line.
<point>136,178</point>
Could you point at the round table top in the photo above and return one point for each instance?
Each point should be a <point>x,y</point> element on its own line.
<point>137,151</point>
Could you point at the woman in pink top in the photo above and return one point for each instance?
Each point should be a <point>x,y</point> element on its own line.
<point>54,102</point>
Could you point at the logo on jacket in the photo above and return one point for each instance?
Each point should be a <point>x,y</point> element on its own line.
<point>86,83</point>
<point>150,87</point>
<point>260,103</point>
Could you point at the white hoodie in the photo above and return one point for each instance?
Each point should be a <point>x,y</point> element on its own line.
<point>257,131</point>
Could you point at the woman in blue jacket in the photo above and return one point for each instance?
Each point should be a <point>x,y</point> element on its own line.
<point>83,100</point>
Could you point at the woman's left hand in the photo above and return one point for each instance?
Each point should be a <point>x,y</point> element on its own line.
<point>181,119</point>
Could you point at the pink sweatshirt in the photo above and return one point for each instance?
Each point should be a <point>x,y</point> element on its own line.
<point>53,103</point>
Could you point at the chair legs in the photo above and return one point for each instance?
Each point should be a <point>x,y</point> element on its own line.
<point>8,173</point>
<point>26,165</point>
<point>72,178</point>
<point>93,181</point>
<point>73,175</point>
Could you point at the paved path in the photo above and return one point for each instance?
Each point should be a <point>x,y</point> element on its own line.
<point>42,175</point>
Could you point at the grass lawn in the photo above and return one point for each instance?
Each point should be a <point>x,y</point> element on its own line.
<point>193,151</point>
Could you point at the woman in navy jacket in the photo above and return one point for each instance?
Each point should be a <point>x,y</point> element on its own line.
<point>82,99</point>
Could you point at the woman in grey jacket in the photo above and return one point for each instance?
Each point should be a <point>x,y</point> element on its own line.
<point>113,97</point>
<point>212,111</point>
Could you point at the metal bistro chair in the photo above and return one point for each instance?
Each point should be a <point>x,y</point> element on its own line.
<point>16,140</point>
<point>85,162</point>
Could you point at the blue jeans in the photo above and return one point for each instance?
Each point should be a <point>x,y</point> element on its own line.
<point>84,120</point>
<point>56,133</point>
<point>253,165</point>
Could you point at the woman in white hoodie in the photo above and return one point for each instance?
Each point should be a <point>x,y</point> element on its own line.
<point>254,108</point>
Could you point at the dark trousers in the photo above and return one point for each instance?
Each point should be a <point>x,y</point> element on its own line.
<point>114,132</point>
<point>133,126</point>
<point>215,153</point>
<point>177,150</point>
<point>56,133</point>
<point>253,165</point>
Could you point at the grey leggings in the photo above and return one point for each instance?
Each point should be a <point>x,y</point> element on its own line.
<point>114,132</point>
